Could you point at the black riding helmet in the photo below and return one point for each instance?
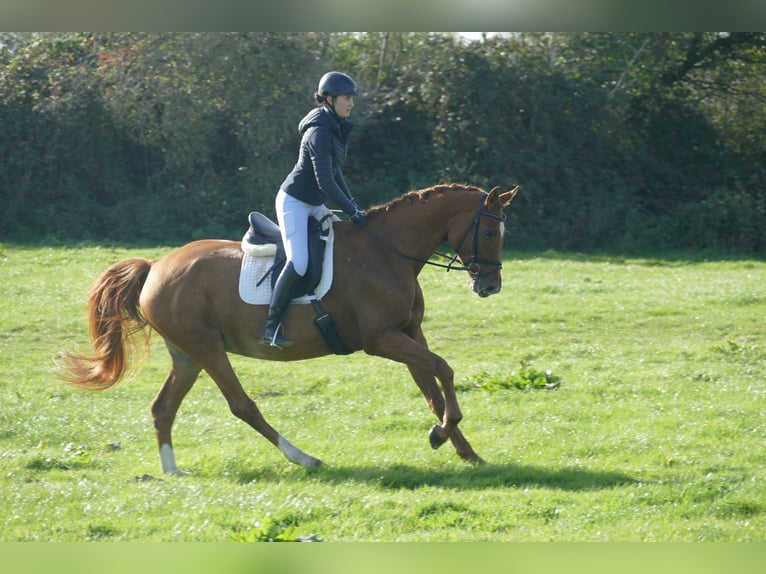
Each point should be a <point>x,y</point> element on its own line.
<point>337,84</point>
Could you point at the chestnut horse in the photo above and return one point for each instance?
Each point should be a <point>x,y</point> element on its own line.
<point>190,297</point>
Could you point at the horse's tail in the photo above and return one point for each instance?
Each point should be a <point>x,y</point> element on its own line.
<point>114,315</point>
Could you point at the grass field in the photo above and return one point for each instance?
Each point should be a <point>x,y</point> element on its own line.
<point>655,432</point>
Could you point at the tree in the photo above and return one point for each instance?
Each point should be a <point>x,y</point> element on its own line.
<point>630,140</point>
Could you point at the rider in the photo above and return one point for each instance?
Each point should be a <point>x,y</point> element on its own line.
<point>315,179</point>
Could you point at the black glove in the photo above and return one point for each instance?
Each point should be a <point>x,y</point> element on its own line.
<point>359,219</point>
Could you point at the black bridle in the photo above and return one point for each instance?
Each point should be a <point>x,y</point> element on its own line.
<point>473,264</point>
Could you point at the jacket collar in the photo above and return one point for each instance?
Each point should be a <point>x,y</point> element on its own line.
<point>322,116</point>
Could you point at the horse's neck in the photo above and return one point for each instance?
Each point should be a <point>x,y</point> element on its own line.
<point>419,228</point>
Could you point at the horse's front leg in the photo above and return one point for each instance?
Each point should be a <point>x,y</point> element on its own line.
<point>427,385</point>
<point>398,346</point>
<point>452,415</point>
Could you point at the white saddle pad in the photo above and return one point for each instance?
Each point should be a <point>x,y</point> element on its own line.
<point>256,262</point>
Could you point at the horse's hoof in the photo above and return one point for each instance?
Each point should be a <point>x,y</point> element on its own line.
<point>176,472</point>
<point>471,457</point>
<point>437,437</point>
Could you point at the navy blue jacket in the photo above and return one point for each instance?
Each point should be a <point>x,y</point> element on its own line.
<point>317,177</point>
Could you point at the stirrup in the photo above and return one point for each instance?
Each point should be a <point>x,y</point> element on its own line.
<point>276,339</point>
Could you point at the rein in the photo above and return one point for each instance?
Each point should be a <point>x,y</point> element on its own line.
<point>472,266</point>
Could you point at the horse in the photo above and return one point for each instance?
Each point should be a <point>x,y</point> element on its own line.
<point>190,298</point>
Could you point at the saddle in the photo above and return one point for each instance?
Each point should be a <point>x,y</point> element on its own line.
<point>263,239</point>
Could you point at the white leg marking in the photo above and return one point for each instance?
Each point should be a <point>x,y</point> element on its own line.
<point>168,460</point>
<point>296,455</point>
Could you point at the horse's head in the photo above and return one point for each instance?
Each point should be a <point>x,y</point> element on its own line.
<point>480,247</point>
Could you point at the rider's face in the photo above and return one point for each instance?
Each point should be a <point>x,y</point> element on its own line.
<point>343,105</point>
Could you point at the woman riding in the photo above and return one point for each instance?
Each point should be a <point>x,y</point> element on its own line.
<point>315,179</point>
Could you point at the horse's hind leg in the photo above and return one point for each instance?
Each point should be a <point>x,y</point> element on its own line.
<point>181,378</point>
<point>242,406</point>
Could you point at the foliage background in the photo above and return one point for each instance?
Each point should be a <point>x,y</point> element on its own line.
<point>620,141</point>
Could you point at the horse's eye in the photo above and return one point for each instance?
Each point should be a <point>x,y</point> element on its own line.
<point>489,233</point>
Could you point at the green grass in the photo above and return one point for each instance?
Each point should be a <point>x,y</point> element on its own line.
<point>654,431</point>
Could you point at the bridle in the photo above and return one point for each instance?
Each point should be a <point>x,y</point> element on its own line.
<point>472,265</point>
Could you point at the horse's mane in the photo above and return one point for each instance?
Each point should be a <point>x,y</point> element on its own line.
<point>420,195</point>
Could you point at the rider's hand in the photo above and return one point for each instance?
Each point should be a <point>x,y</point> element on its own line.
<point>359,219</point>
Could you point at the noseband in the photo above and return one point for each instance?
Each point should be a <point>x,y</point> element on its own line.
<point>473,264</point>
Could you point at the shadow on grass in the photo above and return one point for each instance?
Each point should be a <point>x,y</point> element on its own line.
<point>405,477</point>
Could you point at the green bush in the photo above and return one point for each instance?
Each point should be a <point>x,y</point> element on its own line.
<point>526,378</point>
<point>174,136</point>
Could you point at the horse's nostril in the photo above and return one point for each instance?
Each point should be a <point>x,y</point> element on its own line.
<point>489,290</point>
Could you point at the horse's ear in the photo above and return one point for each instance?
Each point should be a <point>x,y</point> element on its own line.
<point>493,196</point>
<point>508,196</point>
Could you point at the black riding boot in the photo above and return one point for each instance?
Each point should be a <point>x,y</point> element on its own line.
<point>280,300</point>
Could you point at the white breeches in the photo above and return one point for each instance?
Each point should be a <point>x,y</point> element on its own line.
<point>293,216</point>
